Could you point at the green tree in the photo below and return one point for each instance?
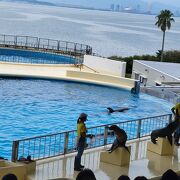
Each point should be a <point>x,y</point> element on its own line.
<point>164,23</point>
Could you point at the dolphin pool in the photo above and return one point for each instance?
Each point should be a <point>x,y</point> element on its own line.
<point>33,107</point>
<point>26,56</point>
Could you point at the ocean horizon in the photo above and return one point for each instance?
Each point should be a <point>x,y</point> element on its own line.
<point>109,33</point>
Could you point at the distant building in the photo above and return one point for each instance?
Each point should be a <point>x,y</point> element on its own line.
<point>149,11</point>
<point>138,9</point>
<point>112,7</point>
<point>155,73</point>
<point>177,13</point>
<point>117,8</point>
<point>121,8</point>
<point>129,10</point>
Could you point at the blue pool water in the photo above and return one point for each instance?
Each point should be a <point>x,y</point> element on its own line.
<point>31,107</point>
<point>24,56</point>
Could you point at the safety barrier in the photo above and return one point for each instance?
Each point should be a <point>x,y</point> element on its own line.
<point>52,145</point>
<point>71,49</point>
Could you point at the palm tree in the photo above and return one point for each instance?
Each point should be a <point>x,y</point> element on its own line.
<point>164,22</point>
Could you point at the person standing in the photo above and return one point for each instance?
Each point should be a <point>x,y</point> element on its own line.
<point>81,141</point>
<point>176,111</point>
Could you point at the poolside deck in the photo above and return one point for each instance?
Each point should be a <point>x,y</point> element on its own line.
<point>149,165</point>
<point>64,72</point>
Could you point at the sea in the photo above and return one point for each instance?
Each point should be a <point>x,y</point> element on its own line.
<point>109,33</point>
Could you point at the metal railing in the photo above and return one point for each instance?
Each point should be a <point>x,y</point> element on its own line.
<point>171,94</point>
<point>52,145</point>
<point>48,45</point>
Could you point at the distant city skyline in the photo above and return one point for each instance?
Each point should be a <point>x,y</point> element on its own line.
<point>133,6</point>
<point>153,6</point>
<point>171,3</point>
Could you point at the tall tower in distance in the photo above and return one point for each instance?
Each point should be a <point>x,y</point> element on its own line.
<point>138,9</point>
<point>117,8</point>
<point>149,11</point>
<point>112,7</point>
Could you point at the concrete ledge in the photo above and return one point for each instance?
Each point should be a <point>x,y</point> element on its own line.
<point>158,162</point>
<point>119,157</point>
<point>64,72</point>
<point>7,167</point>
<point>102,78</point>
<point>105,65</point>
<point>163,147</point>
<point>30,166</point>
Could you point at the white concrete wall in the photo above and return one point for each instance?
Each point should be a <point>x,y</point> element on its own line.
<point>102,79</point>
<point>152,75</point>
<point>61,72</point>
<point>105,66</point>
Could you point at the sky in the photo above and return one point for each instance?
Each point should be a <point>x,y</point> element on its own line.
<point>169,2</point>
<point>157,4</point>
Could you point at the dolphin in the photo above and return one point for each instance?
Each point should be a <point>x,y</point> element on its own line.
<point>117,110</point>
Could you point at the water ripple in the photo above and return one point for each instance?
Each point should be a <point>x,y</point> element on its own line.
<point>37,107</point>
